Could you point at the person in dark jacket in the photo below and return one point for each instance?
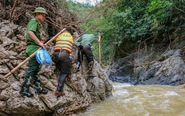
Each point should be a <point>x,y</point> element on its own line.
<point>85,50</point>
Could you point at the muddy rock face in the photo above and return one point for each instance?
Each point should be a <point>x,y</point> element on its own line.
<point>80,91</point>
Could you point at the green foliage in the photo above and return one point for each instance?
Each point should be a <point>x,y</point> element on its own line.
<point>124,23</point>
<point>159,13</point>
<point>81,10</point>
<point>137,20</point>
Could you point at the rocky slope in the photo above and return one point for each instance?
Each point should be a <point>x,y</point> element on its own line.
<point>80,92</point>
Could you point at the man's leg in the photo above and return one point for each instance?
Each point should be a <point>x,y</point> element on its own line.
<point>59,91</point>
<point>25,87</point>
<point>37,86</point>
<point>35,77</point>
<point>33,67</point>
<point>64,71</point>
<point>89,55</point>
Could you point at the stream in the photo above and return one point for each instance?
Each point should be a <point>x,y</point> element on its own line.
<point>141,100</point>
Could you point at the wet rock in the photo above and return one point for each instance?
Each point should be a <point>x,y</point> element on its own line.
<point>96,89</point>
<point>4,95</point>
<point>168,70</point>
<point>121,70</point>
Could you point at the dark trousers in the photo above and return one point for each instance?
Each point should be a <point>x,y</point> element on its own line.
<point>87,52</point>
<point>63,64</point>
<point>33,68</point>
<point>31,78</point>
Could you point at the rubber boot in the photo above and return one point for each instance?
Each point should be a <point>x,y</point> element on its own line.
<point>68,78</point>
<point>38,87</point>
<point>58,94</point>
<point>25,90</point>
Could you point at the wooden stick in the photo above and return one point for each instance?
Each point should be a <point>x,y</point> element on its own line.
<point>99,44</point>
<point>27,59</point>
<point>81,62</point>
<point>13,8</point>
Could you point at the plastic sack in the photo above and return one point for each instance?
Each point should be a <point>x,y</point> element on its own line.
<point>43,57</point>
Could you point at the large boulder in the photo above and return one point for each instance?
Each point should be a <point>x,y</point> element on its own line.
<point>168,70</point>
<point>138,68</point>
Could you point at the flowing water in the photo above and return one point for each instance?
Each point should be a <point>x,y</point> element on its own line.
<point>141,100</point>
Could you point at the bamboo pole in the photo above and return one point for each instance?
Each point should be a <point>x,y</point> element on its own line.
<point>99,45</point>
<point>27,59</point>
<point>12,10</point>
<point>81,62</point>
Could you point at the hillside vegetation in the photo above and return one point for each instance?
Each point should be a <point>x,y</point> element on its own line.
<point>126,25</point>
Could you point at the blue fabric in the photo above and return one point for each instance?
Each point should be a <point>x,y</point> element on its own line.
<point>43,57</point>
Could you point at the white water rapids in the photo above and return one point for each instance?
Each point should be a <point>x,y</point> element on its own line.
<point>141,100</point>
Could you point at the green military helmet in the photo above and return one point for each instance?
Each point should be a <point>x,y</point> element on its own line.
<point>40,10</point>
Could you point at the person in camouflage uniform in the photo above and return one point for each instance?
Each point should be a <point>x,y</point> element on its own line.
<point>34,42</point>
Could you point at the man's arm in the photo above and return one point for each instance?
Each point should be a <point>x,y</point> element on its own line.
<point>33,36</point>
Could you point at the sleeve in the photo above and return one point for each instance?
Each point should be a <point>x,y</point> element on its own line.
<point>32,25</point>
<point>76,43</point>
<point>80,38</point>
